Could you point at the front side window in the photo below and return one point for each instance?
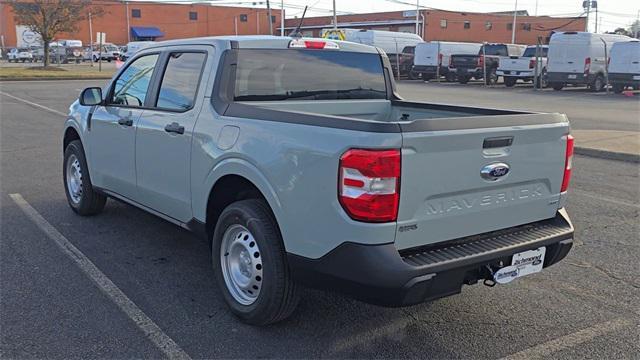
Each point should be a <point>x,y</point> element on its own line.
<point>180,81</point>
<point>269,74</point>
<point>130,88</point>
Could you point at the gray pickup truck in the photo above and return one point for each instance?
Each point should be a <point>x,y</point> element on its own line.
<point>300,164</point>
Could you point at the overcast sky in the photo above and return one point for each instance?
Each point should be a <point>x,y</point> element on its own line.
<point>612,13</point>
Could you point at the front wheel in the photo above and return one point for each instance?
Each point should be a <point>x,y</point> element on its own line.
<point>81,196</point>
<point>250,264</point>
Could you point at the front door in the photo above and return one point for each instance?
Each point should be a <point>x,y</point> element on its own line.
<point>164,135</point>
<point>113,129</point>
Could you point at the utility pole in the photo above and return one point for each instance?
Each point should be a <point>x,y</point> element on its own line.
<point>269,16</point>
<point>588,8</point>
<point>235,24</point>
<point>335,16</point>
<point>128,26</point>
<point>513,26</point>
<point>91,39</point>
<point>536,12</point>
<point>637,27</point>
<point>281,17</point>
<point>418,17</point>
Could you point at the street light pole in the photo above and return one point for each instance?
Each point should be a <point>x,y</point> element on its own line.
<point>513,26</point>
<point>269,16</point>
<point>418,17</point>
<point>281,17</point>
<point>335,16</point>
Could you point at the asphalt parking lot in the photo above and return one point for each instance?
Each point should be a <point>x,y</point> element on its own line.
<point>584,307</point>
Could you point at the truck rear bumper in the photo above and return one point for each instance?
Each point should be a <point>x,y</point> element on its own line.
<point>570,78</point>
<point>624,79</point>
<point>381,275</point>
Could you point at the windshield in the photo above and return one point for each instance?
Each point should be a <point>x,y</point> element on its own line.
<point>270,74</point>
<point>110,48</point>
<point>531,52</point>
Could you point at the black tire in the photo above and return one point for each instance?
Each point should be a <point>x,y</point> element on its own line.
<point>278,295</point>
<point>598,83</point>
<point>91,202</point>
<point>543,79</point>
<point>450,77</point>
<point>510,81</point>
<point>413,75</point>
<point>463,79</point>
<point>618,88</point>
<point>557,86</point>
<point>426,77</point>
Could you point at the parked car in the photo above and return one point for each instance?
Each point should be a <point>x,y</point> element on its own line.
<point>109,52</point>
<point>524,67</point>
<point>467,66</point>
<point>57,53</point>
<point>431,55</point>
<point>294,117</point>
<point>624,65</point>
<point>578,58</point>
<point>392,42</point>
<point>20,55</point>
<point>133,47</point>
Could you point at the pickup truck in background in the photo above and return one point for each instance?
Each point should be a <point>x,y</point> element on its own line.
<point>297,160</point>
<point>487,60</point>
<point>524,67</point>
<point>432,58</point>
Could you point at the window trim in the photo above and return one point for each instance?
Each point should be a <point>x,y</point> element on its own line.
<point>112,87</point>
<point>158,84</point>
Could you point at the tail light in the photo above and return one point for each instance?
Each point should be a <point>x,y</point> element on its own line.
<point>587,65</point>
<point>568,164</point>
<point>481,61</point>
<point>440,59</point>
<point>369,184</point>
<point>313,44</point>
<point>532,63</point>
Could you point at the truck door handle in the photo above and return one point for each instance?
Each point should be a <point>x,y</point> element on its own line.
<point>174,127</point>
<point>634,62</point>
<point>125,122</point>
<point>497,142</point>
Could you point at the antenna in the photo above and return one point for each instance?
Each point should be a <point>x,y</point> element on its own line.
<point>296,33</point>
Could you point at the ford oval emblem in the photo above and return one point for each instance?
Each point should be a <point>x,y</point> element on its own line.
<point>495,171</point>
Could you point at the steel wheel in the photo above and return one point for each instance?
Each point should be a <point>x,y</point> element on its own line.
<point>74,179</point>
<point>241,263</point>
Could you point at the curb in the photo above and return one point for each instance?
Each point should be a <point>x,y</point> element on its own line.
<point>608,155</point>
<point>55,78</point>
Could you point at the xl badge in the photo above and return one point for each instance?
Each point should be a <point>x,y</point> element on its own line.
<point>495,171</point>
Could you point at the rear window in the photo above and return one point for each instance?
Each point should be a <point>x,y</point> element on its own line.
<point>291,74</point>
<point>497,50</point>
<point>531,52</point>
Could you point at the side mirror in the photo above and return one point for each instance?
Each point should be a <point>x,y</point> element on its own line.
<point>91,96</point>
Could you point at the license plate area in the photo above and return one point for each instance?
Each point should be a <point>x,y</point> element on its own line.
<point>522,264</point>
<point>572,76</point>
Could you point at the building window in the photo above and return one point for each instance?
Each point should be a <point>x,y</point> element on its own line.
<point>510,26</point>
<point>273,19</point>
<point>488,25</point>
<point>243,17</point>
<point>526,27</point>
<point>136,13</point>
<point>193,15</point>
<point>467,25</point>
<point>443,23</point>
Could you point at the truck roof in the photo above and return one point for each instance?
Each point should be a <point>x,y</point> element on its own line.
<point>262,42</point>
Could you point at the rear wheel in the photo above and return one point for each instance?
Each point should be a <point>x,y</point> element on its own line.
<point>426,77</point>
<point>618,88</point>
<point>598,83</point>
<point>250,264</point>
<point>81,196</point>
<point>557,86</point>
<point>542,79</point>
<point>510,81</point>
<point>492,77</point>
<point>413,75</point>
<point>450,77</point>
<point>463,79</point>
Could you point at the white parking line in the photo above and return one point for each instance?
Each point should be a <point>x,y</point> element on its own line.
<point>607,199</point>
<point>152,331</point>
<point>34,104</point>
<point>548,348</point>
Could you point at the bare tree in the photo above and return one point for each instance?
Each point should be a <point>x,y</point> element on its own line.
<point>51,17</point>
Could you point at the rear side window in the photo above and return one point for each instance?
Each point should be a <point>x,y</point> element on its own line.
<point>180,81</point>
<point>130,88</point>
<point>270,74</point>
<point>531,52</point>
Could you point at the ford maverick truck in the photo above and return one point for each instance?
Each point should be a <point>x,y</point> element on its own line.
<point>301,165</point>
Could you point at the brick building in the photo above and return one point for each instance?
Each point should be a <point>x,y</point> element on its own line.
<point>449,25</point>
<point>140,20</point>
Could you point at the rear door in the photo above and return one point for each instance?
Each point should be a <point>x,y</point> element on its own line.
<point>164,132</point>
<point>446,192</point>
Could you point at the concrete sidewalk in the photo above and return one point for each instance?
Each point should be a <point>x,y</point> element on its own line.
<point>608,144</point>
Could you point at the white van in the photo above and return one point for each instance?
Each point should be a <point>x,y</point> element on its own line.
<point>624,65</point>
<point>431,55</point>
<point>578,58</point>
<point>133,47</point>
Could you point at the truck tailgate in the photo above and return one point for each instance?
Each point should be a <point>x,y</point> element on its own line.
<point>443,195</point>
<point>517,64</point>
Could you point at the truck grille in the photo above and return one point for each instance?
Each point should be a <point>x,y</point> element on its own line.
<point>488,243</point>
